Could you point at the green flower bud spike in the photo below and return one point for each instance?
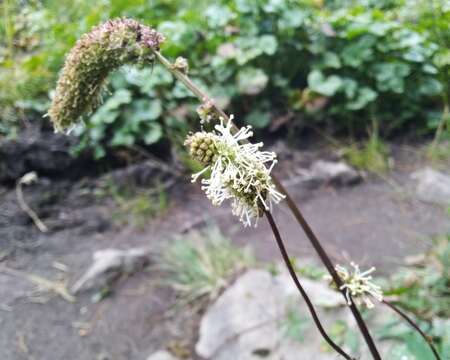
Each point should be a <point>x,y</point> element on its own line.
<point>202,147</point>
<point>97,53</point>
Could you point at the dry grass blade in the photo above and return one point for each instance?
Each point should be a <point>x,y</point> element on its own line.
<point>56,287</point>
<point>29,178</point>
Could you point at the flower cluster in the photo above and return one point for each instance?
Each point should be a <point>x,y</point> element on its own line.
<point>238,171</point>
<point>358,285</point>
<point>95,55</point>
<point>206,111</point>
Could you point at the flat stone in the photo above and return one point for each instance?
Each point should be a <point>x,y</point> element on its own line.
<point>335,172</point>
<point>109,261</point>
<point>322,172</point>
<point>245,322</point>
<point>432,186</point>
<point>162,355</point>
<point>251,303</point>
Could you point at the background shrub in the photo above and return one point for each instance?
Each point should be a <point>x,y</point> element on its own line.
<point>276,64</point>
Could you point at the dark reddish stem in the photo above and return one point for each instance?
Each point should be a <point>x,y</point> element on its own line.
<point>330,267</point>
<point>300,288</point>
<point>295,210</point>
<point>416,327</point>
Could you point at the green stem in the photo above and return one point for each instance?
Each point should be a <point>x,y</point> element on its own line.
<point>9,31</point>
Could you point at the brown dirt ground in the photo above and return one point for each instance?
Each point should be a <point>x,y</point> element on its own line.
<point>376,223</point>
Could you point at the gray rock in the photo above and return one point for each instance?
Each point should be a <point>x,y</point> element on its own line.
<point>108,262</point>
<point>249,307</point>
<point>161,355</point>
<point>432,186</point>
<point>334,172</point>
<point>327,172</point>
<point>245,323</point>
<point>320,294</point>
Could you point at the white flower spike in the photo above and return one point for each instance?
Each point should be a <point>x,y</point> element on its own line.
<point>358,285</point>
<point>238,172</point>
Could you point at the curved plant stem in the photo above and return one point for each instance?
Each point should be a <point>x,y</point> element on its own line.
<point>330,267</point>
<point>26,208</point>
<point>416,327</point>
<point>300,288</point>
<point>203,97</point>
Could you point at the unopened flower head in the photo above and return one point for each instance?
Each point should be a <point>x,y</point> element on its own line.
<point>358,285</point>
<point>181,64</point>
<point>238,172</point>
<point>206,111</point>
<point>97,53</point>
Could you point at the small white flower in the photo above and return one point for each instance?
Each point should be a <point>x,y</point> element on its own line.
<point>358,285</point>
<point>238,171</point>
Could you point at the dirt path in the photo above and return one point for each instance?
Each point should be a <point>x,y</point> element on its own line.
<point>373,222</point>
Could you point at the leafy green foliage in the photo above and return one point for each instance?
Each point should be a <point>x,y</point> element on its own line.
<point>294,324</point>
<point>356,60</point>
<point>427,291</point>
<point>344,335</point>
<point>422,290</point>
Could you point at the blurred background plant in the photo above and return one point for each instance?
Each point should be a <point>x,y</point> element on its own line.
<point>422,289</point>
<point>279,65</point>
<point>200,264</point>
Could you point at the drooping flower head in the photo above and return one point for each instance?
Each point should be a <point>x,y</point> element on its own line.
<point>238,172</point>
<point>358,285</point>
<point>97,53</point>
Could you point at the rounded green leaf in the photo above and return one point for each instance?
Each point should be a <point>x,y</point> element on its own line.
<point>327,86</point>
<point>258,119</point>
<point>153,134</point>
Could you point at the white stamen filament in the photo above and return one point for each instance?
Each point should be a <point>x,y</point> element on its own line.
<point>239,173</point>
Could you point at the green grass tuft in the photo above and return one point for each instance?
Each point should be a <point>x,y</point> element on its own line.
<point>202,263</point>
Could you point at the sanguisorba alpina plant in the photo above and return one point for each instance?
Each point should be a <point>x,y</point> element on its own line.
<point>234,169</point>
<point>94,56</point>
<point>358,285</point>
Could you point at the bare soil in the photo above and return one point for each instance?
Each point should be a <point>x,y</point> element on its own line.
<point>377,222</point>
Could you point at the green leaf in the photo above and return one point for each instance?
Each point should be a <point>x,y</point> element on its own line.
<point>218,16</point>
<point>251,81</point>
<point>291,19</point>
<point>418,347</point>
<point>122,138</point>
<point>400,352</point>
<point>153,134</point>
<point>414,55</point>
<point>431,87</point>
<point>144,110</point>
<point>120,97</point>
<point>390,76</point>
<point>268,44</point>
<point>331,60</point>
<point>325,86</point>
<point>365,96</point>
<point>350,87</point>
<point>358,52</point>
<point>99,152</point>
<point>274,6</point>
<point>258,119</point>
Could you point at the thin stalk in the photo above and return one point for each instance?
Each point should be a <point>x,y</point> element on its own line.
<point>300,288</point>
<point>416,327</point>
<point>330,267</point>
<point>442,123</point>
<point>9,31</point>
<point>203,97</point>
